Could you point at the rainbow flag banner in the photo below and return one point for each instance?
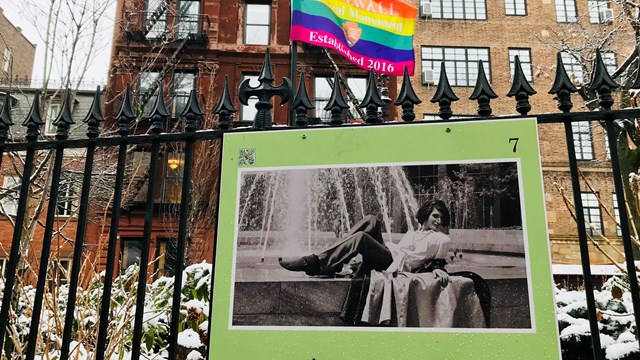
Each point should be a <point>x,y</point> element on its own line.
<point>372,34</point>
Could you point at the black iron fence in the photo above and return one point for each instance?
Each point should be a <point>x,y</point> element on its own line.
<point>562,89</point>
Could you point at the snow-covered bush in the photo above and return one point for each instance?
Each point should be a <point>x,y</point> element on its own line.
<point>615,322</point>
<point>193,324</point>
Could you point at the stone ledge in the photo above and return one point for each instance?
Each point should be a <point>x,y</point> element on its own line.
<point>318,303</point>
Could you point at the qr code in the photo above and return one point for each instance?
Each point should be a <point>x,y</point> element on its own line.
<point>247,157</point>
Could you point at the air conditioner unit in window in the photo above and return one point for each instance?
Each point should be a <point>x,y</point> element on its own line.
<point>606,16</point>
<point>425,10</point>
<point>427,77</point>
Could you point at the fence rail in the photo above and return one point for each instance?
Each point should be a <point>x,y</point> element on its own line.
<point>189,138</point>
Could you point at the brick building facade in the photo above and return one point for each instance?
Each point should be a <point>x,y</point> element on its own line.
<point>496,30</point>
<point>18,53</point>
<point>201,42</point>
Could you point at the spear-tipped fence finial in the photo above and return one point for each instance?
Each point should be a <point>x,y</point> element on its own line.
<point>159,115</point>
<point>125,114</point>
<point>225,107</point>
<point>562,86</point>
<point>372,100</point>
<point>407,98</point>
<point>521,89</point>
<point>483,92</point>
<point>34,119</point>
<point>336,103</point>
<point>602,83</point>
<point>64,120</point>
<point>444,95</point>
<point>191,112</point>
<point>301,103</point>
<point>264,92</point>
<point>94,116</point>
<point>5,118</point>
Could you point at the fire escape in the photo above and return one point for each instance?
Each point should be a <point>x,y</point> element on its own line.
<point>171,27</point>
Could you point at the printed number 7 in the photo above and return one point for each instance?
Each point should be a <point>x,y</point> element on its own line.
<point>515,144</point>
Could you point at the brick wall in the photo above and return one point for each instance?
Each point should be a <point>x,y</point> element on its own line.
<point>22,50</point>
<point>538,31</point>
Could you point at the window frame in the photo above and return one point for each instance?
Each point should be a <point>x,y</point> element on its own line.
<point>250,108</point>
<point>610,61</point>
<point>184,28</point>
<point>512,62</point>
<point>515,7</point>
<point>246,24</point>
<point>616,214</point>
<point>592,214</point>
<point>180,99</point>
<point>53,110</point>
<point>438,12</point>
<point>566,18</point>
<point>599,5</point>
<point>572,66</point>
<point>162,247</point>
<point>321,102</point>
<point>159,29</point>
<point>67,199</point>
<point>583,140</point>
<point>143,92</point>
<point>7,55</point>
<point>16,183</point>
<point>470,76</point>
<point>123,256</point>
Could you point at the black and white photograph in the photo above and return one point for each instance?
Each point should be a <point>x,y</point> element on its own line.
<point>423,245</point>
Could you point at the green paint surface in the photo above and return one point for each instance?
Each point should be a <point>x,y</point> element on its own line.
<point>413,143</point>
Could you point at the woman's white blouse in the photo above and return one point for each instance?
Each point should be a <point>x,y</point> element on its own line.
<point>416,248</point>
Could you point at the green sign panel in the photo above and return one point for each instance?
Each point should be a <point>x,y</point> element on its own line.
<point>390,242</point>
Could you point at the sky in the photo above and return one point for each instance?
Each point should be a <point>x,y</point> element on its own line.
<point>14,10</point>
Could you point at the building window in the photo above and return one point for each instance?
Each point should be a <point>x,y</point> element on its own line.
<point>566,11</point>
<point>459,9</point>
<point>130,252</point>
<point>525,61</point>
<point>582,141</point>
<point>6,60</point>
<point>66,205</point>
<point>461,63</point>
<point>181,85</point>
<point>166,252</point>
<point>146,99</point>
<point>609,60</point>
<point>358,87</point>
<point>607,152</point>
<point>599,11</point>
<point>248,112</point>
<point>257,21</point>
<point>616,214</point>
<point>573,66</point>
<point>515,7</point>
<point>188,12</point>
<point>3,266</point>
<point>53,110</point>
<point>322,92</point>
<point>172,182</point>
<point>10,194</point>
<point>592,214</point>
<point>159,28</point>
<point>60,271</point>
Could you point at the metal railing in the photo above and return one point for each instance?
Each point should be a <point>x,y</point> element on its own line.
<point>521,90</point>
<point>168,27</point>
